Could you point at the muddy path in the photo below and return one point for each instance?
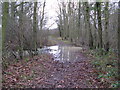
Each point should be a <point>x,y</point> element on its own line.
<point>45,72</point>
<point>72,69</point>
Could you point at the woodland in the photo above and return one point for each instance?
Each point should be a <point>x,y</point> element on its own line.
<point>82,52</point>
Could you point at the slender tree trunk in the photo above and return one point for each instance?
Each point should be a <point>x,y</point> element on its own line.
<point>79,24</point>
<point>60,22</point>
<point>79,14</point>
<point>95,32</point>
<point>5,12</point>
<point>119,32</point>
<point>119,39</point>
<point>43,11</point>
<point>70,20</point>
<point>35,27</point>
<point>13,10</point>
<point>67,27</point>
<point>21,32</point>
<point>106,27</point>
<point>85,25</point>
<point>64,21</point>
<point>89,26</point>
<point>98,5</point>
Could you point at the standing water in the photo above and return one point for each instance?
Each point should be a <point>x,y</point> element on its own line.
<point>62,53</point>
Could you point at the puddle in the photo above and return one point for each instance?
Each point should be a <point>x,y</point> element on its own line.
<point>62,53</point>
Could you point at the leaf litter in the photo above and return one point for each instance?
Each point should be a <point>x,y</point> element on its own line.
<point>43,72</point>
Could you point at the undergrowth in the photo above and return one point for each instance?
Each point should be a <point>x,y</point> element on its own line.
<point>107,67</point>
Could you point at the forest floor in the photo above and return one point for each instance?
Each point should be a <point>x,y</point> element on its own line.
<point>43,72</point>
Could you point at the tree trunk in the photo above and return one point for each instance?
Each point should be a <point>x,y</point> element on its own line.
<point>106,27</point>
<point>35,27</point>
<point>119,32</point>
<point>79,24</point>
<point>41,21</point>
<point>95,31</point>
<point>64,21</point>
<point>5,12</point>
<point>21,32</point>
<point>13,10</point>
<point>98,5</point>
<point>119,38</point>
<point>89,26</point>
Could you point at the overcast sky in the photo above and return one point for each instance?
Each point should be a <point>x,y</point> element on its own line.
<point>51,8</point>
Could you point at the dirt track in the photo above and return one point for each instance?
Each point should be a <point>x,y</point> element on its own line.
<point>42,72</point>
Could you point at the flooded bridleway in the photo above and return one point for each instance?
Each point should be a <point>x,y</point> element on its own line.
<point>70,69</point>
<point>63,53</point>
<point>58,66</point>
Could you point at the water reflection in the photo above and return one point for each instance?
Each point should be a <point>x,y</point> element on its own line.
<point>62,53</point>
